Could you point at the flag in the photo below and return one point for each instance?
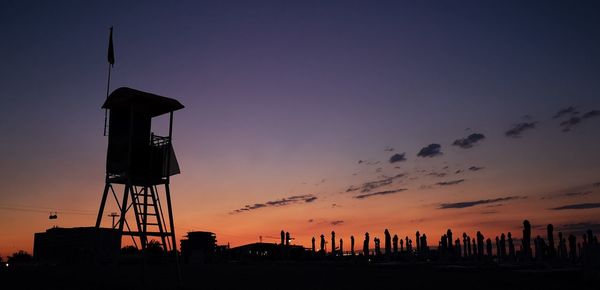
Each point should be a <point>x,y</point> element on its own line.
<point>111,50</point>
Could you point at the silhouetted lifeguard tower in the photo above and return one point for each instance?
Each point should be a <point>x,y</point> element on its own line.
<point>140,163</point>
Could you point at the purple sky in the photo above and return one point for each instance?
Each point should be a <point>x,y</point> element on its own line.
<point>284,98</point>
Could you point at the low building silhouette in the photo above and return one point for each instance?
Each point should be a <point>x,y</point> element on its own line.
<point>199,247</point>
<point>266,251</point>
<point>77,245</point>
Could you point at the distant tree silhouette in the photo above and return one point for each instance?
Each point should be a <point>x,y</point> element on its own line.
<point>352,245</point>
<point>366,245</point>
<point>20,257</point>
<point>322,243</point>
<point>424,247</point>
<point>395,244</point>
<point>474,247</point>
<point>313,244</point>
<point>377,246</point>
<point>282,237</point>
<point>287,238</point>
<point>341,247</point>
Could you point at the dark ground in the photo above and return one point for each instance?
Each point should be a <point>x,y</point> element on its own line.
<point>298,275</point>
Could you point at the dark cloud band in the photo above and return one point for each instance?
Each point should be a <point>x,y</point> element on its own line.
<point>466,204</point>
<point>367,195</point>
<point>306,198</point>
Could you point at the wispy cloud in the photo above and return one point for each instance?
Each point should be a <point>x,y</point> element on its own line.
<point>437,174</point>
<point>338,222</point>
<point>368,162</point>
<point>571,228</point>
<point>367,195</point>
<point>466,204</point>
<point>577,206</point>
<point>576,120</point>
<point>572,192</point>
<point>389,149</point>
<point>450,182</point>
<point>469,141</point>
<point>475,168</point>
<point>368,186</point>
<point>517,129</point>
<point>566,111</point>
<point>430,150</point>
<point>306,198</point>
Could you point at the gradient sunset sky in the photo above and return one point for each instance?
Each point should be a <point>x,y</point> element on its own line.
<point>312,116</point>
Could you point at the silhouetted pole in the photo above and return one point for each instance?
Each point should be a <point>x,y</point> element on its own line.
<point>366,245</point>
<point>282,237</point>
<point>572,248</point>
<point>322,244</point>
<point>479,245</point>
<point>111,63</point>
<point>332,243</point>
<point>401,245</point>
<point>468,243</point>
<point>313,244</point>
<point>526,240</point>
<point>341,247</point>
<point>352,245</point>
<point>489,247</point>
<point>464,235</point>
<point>457,248</point>
<point>498,248</point>
<point>418,237</point>
<point>377,246</point>
<point>551,249</point>
<point>449,235</point>
<point>388,243</point>
<point>511,247</point>
<point>562,247</point>
<point>502,247</point>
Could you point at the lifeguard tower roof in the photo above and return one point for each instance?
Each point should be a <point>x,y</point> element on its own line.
<point>127,98</point>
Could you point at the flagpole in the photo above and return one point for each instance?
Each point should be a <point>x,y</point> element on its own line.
<point>111,62</point>
<point>107,90</point>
